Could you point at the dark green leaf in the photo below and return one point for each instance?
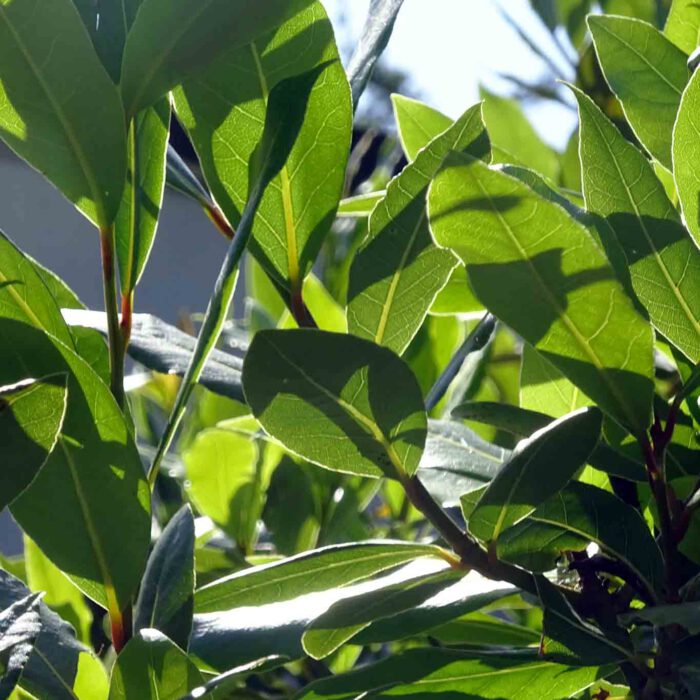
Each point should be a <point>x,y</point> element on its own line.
<point>20,625</point>
<point>398,271</point>
<point>541,272</point>
<point>364,417</point>
<point>45,53</point>
<point>538,469</point>
<point>319,570</point>
<point>345,618</point>
<point>684,614</point>
<point>31,418</point>
<point>168,41</point>
<point>93,478</point>
<point>59,664</point>
<point>570,639</point>
<point>418,124</point>
<point>151,667</point>
<point>456,461</point>
<point>647,73</point>
<point>619,183</point>
<point>571,520</point>
<point>166,349</point>
<point>135,225</point>
<point>225,120</point>
<point>435,673</point>
<point>166,597</point>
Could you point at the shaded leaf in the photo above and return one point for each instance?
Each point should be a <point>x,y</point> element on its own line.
<point>44,53</point>
<point>684,614</point>
<point>539,467</point>
<point>619,183</point>
<point>225,120</point>
<point>167,41</point>
<point>647,73</point>
<point>20,625</point>
<point>571,520</point>
<point>397,273</point>
<point>151,667</point>
<point>526,262</point>
<point>31,418</point>
<point>456,461</point>
<point>319,570</point>
<point>166,596</point>
<point>569,638</point>
<point>93,478</point>
<point>365,417</point>
<point>166,349</point>
<point>434,673</point>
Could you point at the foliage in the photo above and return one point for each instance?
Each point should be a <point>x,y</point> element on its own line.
<point>452,447</point>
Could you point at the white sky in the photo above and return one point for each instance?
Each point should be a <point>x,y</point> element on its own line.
<point>449,47</point>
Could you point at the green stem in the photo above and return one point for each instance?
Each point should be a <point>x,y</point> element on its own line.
<point>214,319</point>
<point>116,343</point>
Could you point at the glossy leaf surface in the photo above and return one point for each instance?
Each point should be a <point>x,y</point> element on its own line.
<point>364,417</point>
<point>539,467</point>
<point>542,273</point>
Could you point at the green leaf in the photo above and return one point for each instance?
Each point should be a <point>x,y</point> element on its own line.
<point>31,418</point>
<point>619,183</point>
<point>513,138</point>
<point>418,124</point>
<point>647,73</point>
<point>684,614</point>
<point>60,594</point>
<point>166,596</point>
<point>137,219</point>
<point>569,638</point>
<point>151,667</point>
<point>45,53</point>
<point>168,41</point>
<point>397,273</point>
<point>225,121</point>
<point>319,570</point>
<point>225,482</point>
<point>363,417</point>
<point>20,625</point>
<point>683,25</point>
<point>539,468</point>
<point>345,618</point>
<point>24,295</point>
<point>376,33</point>
<point>457,461</point>
<point>93,478</point>
<point>686,149</point>
<point>571,520</point>
<point>59,663</point>
<point>423,673</point>
<point>541,272</point>
<point>456,297</point>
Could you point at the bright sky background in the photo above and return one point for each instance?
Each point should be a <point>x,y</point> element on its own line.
<point>449,47</point>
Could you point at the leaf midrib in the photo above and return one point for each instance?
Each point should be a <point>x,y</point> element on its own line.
<point>87,171</point>
<point>652,247</point>
<point>570,325</point>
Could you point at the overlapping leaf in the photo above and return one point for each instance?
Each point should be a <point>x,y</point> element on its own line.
<point>542,273</point>
<point>683,25</point>
<point>398,271</point>
<point>53,92</point>
<point>225,120</point>
<point>648,74</point>
<point>664,261</point>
